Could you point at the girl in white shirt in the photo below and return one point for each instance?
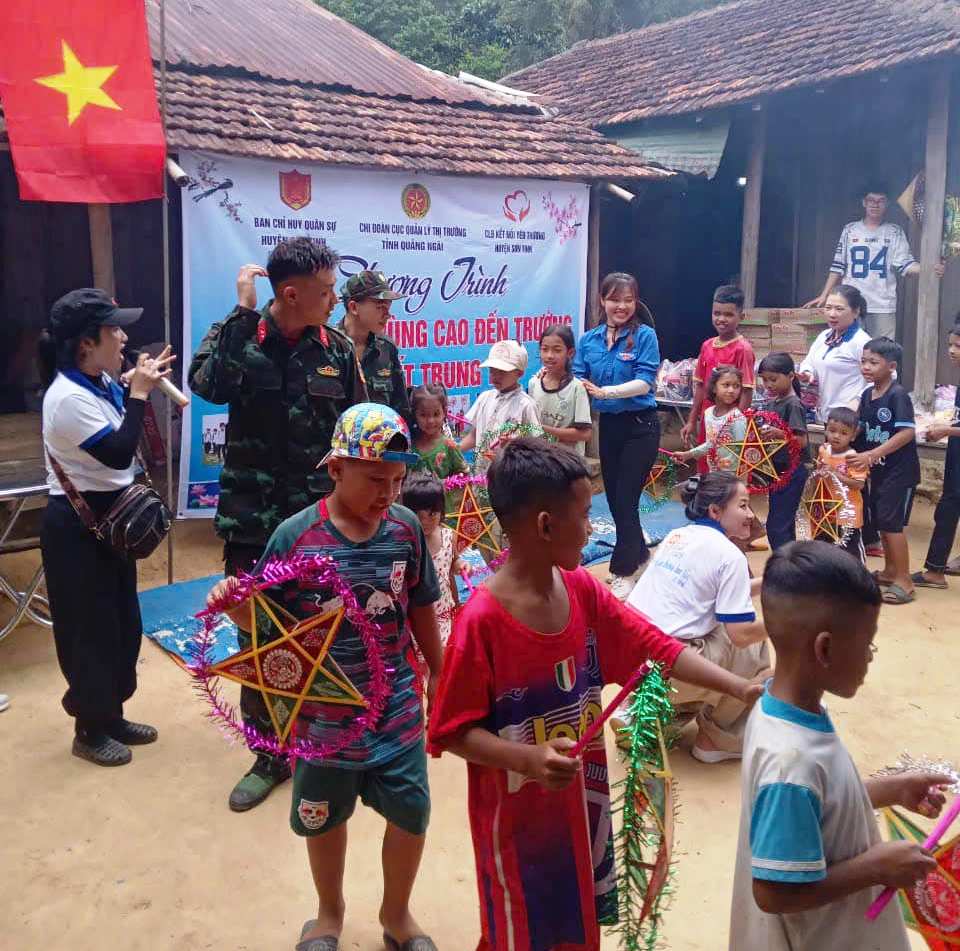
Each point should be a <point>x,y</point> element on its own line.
<point>698,589</point>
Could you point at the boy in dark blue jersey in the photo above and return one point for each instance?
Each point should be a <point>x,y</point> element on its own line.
<point>889,434</point>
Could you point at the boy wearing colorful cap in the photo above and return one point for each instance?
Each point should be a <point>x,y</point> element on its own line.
<point>506,403</point>
<point>367,297</point>
<point>380,549</point>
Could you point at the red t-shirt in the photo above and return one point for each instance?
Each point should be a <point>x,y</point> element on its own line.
<point>545,868</point>
<point>715,352</point>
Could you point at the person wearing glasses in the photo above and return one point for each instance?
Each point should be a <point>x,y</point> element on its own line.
<point>871,254</point>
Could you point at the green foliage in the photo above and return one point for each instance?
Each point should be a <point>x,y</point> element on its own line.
<point>491,38</point>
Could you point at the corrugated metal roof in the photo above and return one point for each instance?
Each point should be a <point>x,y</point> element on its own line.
<point>297,41</point>
<point>737,52</point>
<point>678,143</point>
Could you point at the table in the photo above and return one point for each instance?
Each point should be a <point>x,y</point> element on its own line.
<point>680,407</point>
<point>20,482</point>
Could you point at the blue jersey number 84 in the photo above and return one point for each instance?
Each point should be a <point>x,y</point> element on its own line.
<point>861,265</point>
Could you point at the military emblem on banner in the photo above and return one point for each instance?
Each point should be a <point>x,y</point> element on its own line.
<point>415,201</point>
<point>296,189</point>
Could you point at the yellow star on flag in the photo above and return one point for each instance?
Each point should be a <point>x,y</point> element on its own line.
<point>80,84</point>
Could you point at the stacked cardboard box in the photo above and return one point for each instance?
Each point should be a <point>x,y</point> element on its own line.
<point>775,329</point>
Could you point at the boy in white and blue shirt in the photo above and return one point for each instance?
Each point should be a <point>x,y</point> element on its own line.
<point>810,860</point>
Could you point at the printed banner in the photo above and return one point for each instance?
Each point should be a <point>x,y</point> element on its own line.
<point>479,260</point>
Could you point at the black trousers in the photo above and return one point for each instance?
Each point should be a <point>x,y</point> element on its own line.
<point>782,514</point>
<point>628,450</point>
<point>96,614</point>
<point>237,558</point>
<point>947,513</point>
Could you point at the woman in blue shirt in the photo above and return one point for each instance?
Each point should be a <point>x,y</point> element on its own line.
<point>618,363</point>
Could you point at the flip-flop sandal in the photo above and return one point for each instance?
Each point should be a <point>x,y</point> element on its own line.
<point>107,753</point>
<point>326,942</point>
<point>921,582</point>
<point>419,943</point>
<point>894,594</point>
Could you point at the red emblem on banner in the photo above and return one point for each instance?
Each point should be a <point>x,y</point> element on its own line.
<point>295,189</point>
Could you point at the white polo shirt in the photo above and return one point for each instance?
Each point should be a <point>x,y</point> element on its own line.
<point>804,808</point>
<point>837,369</point>
<point>696,579</point>
<point>76,415</point>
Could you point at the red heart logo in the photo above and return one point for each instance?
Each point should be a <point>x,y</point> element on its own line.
<point>516,206</point>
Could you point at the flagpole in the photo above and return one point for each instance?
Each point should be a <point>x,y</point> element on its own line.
<point>168,427</point>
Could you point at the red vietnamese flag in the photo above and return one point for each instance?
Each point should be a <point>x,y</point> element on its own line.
<point>76,82</point>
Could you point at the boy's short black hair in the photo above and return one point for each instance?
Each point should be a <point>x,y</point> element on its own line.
<point>298,257</point>
<point>814,586</point>
<point>729,294</point>
<point>875,187</point>
<point>845,417</point>
<point>954,331</point>
<point>529,473</point>
<point>886,348</point>
<point>423,492</point>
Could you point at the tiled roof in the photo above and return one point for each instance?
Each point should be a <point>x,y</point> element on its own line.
<point>267,119</point>
<point>295,40</point>
<point>737,52</point>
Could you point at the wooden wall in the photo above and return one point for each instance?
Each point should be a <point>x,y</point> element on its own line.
<point>823,148</point>
<point>682,238</point>
<point>45,252</point>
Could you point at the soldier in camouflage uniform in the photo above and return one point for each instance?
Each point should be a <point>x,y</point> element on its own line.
<point>367,298</point>
<point>286,377</point>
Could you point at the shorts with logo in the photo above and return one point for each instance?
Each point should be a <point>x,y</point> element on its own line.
<point>891,500</point>
<point>325,796</point>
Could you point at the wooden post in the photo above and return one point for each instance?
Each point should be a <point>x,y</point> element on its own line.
<point>750,243</point>
<point>101,248</point>
<point>928,298</point>
<point>593,260</point>
<point>592,313</point>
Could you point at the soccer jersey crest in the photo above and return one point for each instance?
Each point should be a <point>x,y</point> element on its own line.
<point>566,674</point>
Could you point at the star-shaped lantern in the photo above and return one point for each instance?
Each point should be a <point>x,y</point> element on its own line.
<point>660,484</point>
<point>472,521</point>
<point>823,505</point>
<point>932,906</point>
<point>288,662</point>
<point>753,453</point>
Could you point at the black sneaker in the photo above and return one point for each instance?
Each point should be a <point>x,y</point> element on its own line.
<point>101,749</point>
<point>132,734</point>
<point>267,773</point>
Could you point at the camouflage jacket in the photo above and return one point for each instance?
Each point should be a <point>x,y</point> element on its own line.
<point>383,374</point>
<point>284,402</point>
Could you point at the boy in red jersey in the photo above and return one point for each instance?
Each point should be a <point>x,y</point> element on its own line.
<point>728,348</point>
<point>521,682</point>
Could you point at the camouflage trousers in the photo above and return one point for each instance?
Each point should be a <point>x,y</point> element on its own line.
<point>236,558</point>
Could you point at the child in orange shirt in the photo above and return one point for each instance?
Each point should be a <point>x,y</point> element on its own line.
<point>842,427</point>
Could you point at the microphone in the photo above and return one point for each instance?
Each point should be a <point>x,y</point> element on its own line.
<point>166,387</point>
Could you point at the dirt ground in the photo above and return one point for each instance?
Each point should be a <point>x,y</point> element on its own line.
<point>148,856</point>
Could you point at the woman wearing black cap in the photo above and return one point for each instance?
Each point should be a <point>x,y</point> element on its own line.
<point>93,436</point>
